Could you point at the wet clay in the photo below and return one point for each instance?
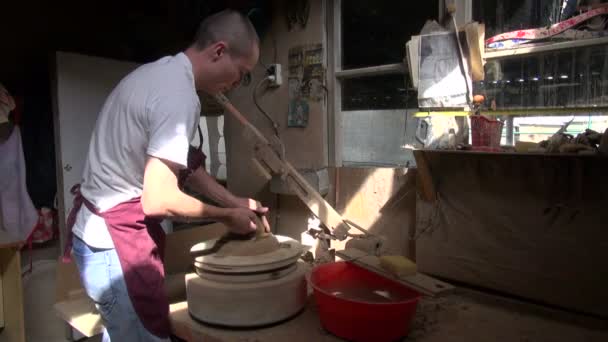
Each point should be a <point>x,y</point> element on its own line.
<point>256,246</point>
<point>230,244</point>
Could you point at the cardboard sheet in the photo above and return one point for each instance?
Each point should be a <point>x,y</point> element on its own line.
<point>527,225</point>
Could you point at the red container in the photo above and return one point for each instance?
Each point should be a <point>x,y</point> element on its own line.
<point>359,305</point>
<point>485,132</point>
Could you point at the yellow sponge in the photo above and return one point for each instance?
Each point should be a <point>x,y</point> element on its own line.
<point>398,265</point>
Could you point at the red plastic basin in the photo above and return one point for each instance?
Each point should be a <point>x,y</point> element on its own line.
<point>359,305</point>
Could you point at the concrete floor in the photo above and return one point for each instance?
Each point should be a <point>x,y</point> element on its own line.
<point>469,315</point>
<point>41,324</point>
<point>463,316</point>
<point>39,296</point>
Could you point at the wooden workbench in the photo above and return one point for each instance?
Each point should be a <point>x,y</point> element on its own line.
<point>464,315</point>
<point>11,290</point>
<point>304,327</point>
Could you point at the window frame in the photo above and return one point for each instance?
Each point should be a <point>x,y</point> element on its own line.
<point>333,17</point>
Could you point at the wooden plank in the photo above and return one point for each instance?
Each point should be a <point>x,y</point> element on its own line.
<point>12,293</point>
<point>1,304</point>
<point>270,160</point>
<point>7,240</point>
<point>315,202</point>
<point>81,314</point>
<point>67,281</point>
<point>425,183</point>
<point>420,282</point>
<point>475,34</point>
<point>381,200</point>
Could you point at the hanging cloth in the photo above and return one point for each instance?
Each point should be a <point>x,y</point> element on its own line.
<point>18,214</point>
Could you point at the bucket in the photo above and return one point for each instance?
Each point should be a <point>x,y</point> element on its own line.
<point>360,305</point>
<point>486,132</point>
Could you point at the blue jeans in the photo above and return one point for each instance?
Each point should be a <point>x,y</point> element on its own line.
<point>102,278</point>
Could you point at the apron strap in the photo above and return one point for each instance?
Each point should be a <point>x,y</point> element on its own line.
<point>196,159</point>
<point>77,203</point>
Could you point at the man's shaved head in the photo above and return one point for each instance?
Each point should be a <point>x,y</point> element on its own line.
<point>229,26</point>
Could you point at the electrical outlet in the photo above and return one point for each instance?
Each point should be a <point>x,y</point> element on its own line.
<point>274,75</point>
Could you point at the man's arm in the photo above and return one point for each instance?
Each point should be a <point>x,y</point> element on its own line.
<point>161,197</point>
<point>204,183</point>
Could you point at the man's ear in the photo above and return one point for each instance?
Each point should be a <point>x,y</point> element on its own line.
<point>219,49</point>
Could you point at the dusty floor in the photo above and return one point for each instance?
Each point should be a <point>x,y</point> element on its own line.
<point>39,294</point>
<point>465,315</point>
<point>474,316</point>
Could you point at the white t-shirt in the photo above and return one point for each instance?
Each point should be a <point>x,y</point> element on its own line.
<point>153,111</point>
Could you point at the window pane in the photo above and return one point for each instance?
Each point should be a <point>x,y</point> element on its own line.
<point>375,32</point>
<point>377,92</point>
<point>376,138</point>
<point>539,128</point>
<point>568,78</point>
<point>501,16</point>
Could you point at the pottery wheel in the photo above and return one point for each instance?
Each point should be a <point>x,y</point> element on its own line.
<point>230,254</point>
<point>234,245</point>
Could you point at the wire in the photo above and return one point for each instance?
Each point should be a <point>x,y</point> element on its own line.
<point>261,59</point>
<point>275,126</point>
<point>264,65</point>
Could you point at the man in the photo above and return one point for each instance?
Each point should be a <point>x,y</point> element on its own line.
<point>130,181</point>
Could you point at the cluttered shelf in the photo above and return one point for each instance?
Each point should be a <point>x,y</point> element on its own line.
<point>575,29</point>
<point>512,154</point>
<point>486,137</point>
<point>565,81</point>
<point>554,111</point>
<point>489,134</point>
<point>521,50</point>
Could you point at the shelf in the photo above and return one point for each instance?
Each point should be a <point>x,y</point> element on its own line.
<point>514,154</point>
<point>526,49</point>
<point>372,71</point>
<point>9,241</point>
<point>518,112</point>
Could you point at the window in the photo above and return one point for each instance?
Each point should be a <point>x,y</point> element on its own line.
<point>550,88</point>
<point>371,91</point>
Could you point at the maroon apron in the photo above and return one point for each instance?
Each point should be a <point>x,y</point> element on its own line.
<point>139,241</point>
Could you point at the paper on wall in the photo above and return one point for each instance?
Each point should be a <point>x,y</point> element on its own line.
<point>441,82</point>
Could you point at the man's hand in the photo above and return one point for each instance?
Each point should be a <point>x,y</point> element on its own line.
<point>241,221</point>
<point>257,207</point>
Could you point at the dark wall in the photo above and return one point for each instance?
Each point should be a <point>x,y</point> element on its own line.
<point>134,30</point>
